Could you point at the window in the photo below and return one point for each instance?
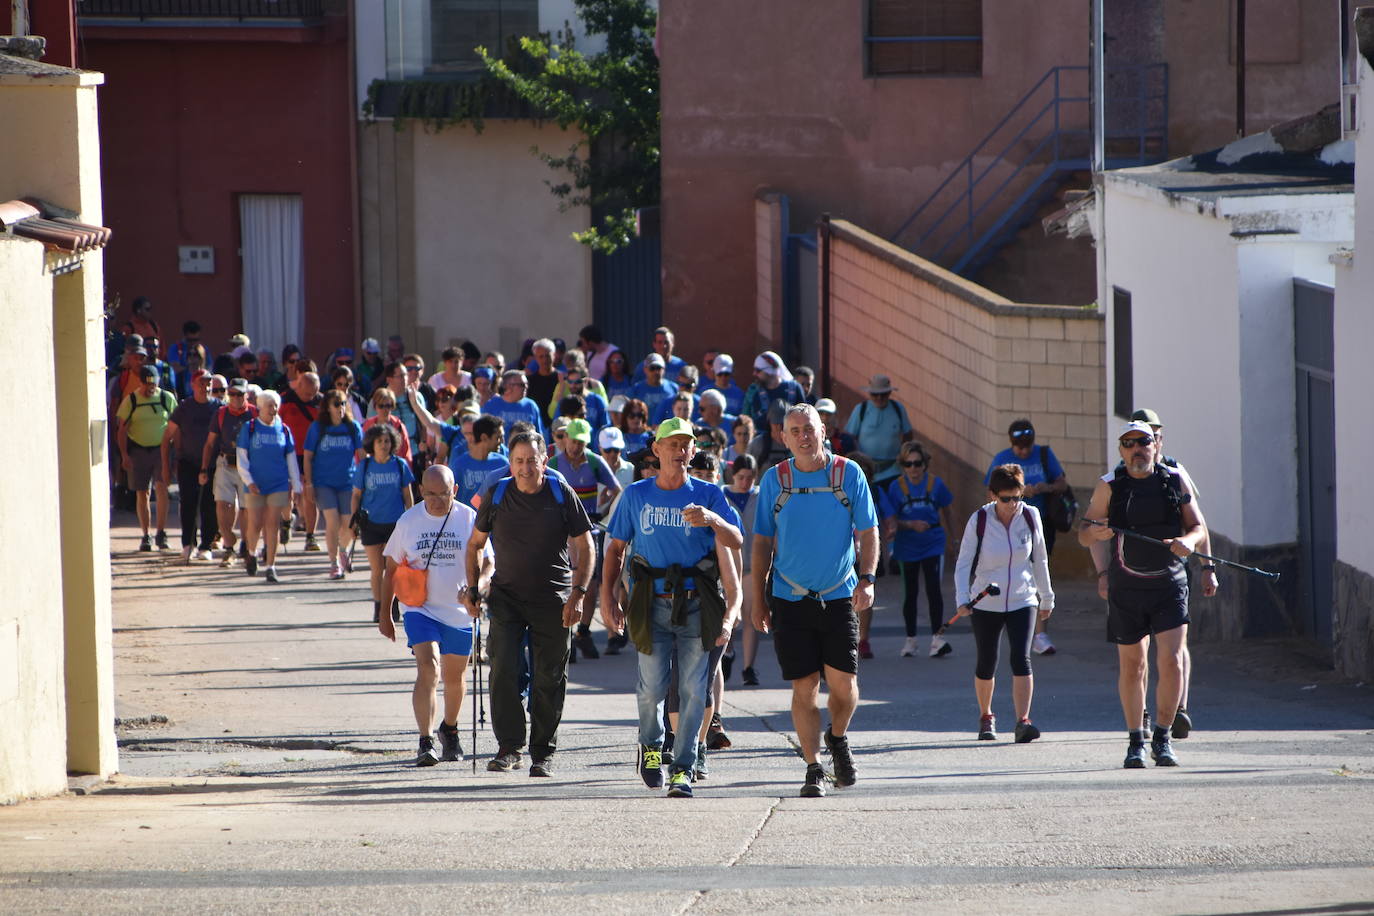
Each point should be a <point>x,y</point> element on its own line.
<point>458,27</point>
<point>1123,372</point>
<point>925,37</point>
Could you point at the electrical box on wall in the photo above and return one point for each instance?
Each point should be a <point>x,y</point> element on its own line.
<point>196,259</point>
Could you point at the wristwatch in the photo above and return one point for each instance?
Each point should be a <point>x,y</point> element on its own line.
<point>580,588</point>
<point>1209,567</point>
<point>869,578</point>
<point>473,594</point>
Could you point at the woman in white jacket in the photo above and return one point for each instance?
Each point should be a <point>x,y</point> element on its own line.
<point>1004,543</point>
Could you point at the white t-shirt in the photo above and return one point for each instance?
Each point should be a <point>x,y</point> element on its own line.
<point>437,380</point>
<point>411,540</point>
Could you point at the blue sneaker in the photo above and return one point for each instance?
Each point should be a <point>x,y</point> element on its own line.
<point>651,765</point>
<point>680,785</point>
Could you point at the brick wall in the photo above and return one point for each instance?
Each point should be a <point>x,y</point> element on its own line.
<point>966,362</point>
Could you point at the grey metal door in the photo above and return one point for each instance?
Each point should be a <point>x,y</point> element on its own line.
<point>1316,394</point>
<point>801,300</point>
<point>627,295</point>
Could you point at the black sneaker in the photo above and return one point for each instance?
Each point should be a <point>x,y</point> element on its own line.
<point>272,574</point>
<point>311,545</point>
<point>680,785</point>
<point>146,545</point>
<point>395,611</point>
<point>1161,750</point>
<point>1135,756</point>
<point>542,768</point>
<point>161,541</point>
<point>1026,733</point>
<point>750,677</point>
<point>667,749</point>
<point>814,787</point>
<point>699,768</point>
<point>250,564</point>
<point>427,757</point>
<point>452,748</point>
<point>651,765</point>
<point>285,533</point>
<point>841,759</point>
<point>716,738</point>
<point>504,762</point>
<point>987,728</point>
<point>615,642</point>
<point>584,644</point>
<point>1183,724</point>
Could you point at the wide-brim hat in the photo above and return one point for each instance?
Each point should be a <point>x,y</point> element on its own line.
<point>878,384</point>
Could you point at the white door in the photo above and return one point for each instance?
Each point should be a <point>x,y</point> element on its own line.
<point>270,227</point>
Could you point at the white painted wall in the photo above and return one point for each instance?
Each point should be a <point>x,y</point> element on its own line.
<point>493,253</point>
<point>1354,367</point>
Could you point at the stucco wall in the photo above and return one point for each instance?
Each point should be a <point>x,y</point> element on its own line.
<point>33,736</point>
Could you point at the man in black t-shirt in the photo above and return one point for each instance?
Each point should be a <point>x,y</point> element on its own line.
<point>532,521</point>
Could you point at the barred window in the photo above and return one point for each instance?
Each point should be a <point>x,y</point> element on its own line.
<point>925,37</point>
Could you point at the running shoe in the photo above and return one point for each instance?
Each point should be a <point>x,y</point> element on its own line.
<point>542,768</point>
<point>1135,756</point>
<point>750,677</point>
<point>186,554</point>
<point>651,765</point>
<point>910,647</point>
<point>427,757</point>
<point>1183,724</point>
<point>227,561</point>
<point>987,728</point>
<point>667,749</point>
<point>345,562</point>
<point>1145,723</point>
<point>583,641</point>
<point>146,545</point>
<point>336,571</point>
<point>615,642</point>
<point>700,770</point>
<point>814,786</point>
<point>272,574</point>
<point>161,541</point>
<point>204,553</point>
<point>452,748</point>
<point>1026,732</point>
<point>504,762</point>
<point>680,785</point>
<point>865,650</point>
<point>716,738</point>
<point>939,647</point>
<point>841,759</point>
<point>250,564</point>
<point>285,533</point>
<point>1161,750</point>
<point>311,545</point>
<point>1042,645</point>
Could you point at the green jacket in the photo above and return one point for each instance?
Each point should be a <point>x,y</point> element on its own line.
<point>639,612</point>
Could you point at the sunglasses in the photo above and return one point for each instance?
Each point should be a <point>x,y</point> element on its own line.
<point>1022,433</point>
<point>1008,499</point>
<point>238,394</point>
<point>344,362</point>
<point>634,416</point>
<point>1137,441</point>
<point>913,464</point>
<point>415,368</point>
<point>219,390</point>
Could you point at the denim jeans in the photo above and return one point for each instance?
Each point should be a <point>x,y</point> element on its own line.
<point>680,645</point>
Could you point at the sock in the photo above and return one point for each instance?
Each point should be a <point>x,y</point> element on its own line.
<point>1024,720</point>
<point>583,629</point>
<point>1161,733</point>
<point>1137,736</point>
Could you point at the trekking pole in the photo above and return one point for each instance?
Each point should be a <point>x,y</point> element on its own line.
<point>993,589</point>
<point>477,662</point>
<point>1201,556</point>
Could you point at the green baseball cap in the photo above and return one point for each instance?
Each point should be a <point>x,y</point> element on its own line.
<point>580,430</point>
<point>1146,415</point>
<point>675,426</point>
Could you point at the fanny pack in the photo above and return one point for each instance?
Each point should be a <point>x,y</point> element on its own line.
<point>411,583</point>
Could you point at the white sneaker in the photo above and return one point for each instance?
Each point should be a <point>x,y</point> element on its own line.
<point>186,554</point>
<point>910,648</point>
<point>1041,644</point>
<point>939,647</point>
<point>228,560</point>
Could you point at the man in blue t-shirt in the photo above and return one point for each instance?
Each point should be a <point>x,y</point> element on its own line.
<point>654,389</point>
<point>472,467</point>
<point>810,507</point>
<point>674,522</point>
<point>879,425</point>
<point>512,406</point>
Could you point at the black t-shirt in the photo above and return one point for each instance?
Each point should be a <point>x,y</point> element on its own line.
<point>541,388</point>
<point>529,533</point>
<point>193,419</point>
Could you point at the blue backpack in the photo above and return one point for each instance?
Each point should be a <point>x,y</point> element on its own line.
<point>501,485</point>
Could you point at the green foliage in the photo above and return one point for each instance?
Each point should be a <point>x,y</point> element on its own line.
<point>611,98</point>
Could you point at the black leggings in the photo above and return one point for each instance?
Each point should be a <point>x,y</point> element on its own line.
<point>987,626</point>
<point>912,572</point>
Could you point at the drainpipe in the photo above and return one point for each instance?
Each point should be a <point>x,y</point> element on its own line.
<point>825,301</point>
<point>1096,42</point>
<point>19,18</point>
<point>1240,68</point>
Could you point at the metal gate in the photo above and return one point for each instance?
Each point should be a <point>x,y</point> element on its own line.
<point>627,295</point>
<point>801,344</point>
<point>1314,345</point>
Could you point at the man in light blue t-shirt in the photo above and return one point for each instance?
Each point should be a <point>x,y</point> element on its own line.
<point>512,406</point>
<point>472,468</point>
<point>809,509</point>
<point>880,425</point>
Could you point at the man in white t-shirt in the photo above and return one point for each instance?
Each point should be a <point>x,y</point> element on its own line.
<point>433,536</point>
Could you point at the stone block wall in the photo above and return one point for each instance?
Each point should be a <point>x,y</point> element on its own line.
<point>1353,648</point>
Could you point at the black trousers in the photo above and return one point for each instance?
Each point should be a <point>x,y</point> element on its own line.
<point>508,623</point>
<point>196,499</point>
<point>912,573</point>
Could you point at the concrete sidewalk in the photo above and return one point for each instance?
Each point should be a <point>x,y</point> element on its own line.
<point>280,782</point>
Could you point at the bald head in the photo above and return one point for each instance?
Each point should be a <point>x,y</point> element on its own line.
<point>437,476</point>
<point>436,488</point>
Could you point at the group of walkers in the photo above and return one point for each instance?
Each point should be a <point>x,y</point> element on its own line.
<point>696,516</point>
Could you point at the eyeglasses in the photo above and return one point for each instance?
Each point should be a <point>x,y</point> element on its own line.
<point>1137,441</point>
<point>343,362</point>
<point>415,368</point>
<point>218,390</point>
<point>1008,499</point>
<point>913,464</point>
<point>1022,433</point>
<point>560,435</point>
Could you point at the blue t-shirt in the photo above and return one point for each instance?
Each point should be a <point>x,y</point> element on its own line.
<point>1036,471</point>
<point>921,503</point>
<point>815,548</point>
<point>523,410</point>
<point>617,386</point>
<point>879,431</point>
<point>650,519</point>
<point>457,444</point>
<point>598,413</point>
<point>382,483</point>
<point>759,398</point>
<point>665,410</point>
<point>269,448</point>
<point>672,368</point>
<point>734,397</point>
<point>470,475</point>
<point>654,395</point>
<point>332,463</point>
<point>635,442</point>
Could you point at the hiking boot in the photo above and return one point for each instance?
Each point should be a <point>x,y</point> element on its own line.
<point>285,533</point>
<point>749,677</point>
<point>865,650</point>
<point>311,545</point>
<point>1026,732</point>
<point>716,738</point>
<point>427,757</point>
<point>680,785</point>
<point>910,647</point>
<point>667,749</point>
<point>615,642</point>
<point>727,664</point>
<point>1135,752</point>
<point>1145,722</point>
<point>161,541</point>
<point>987,728</point>
<point>841,759</point>
<point>1041,644</point>
<point>651,765</point>
<point>272,574</point>
<point>814,786</point>
<point>584,644</point>
<point>1161,750</point>
<point>700,770</point>
<point>250,564</point>
<point>146,545</point>
<point>504,761</point>
<point>939,647</point>
<point>452,748</point>
<point>542,768</point>
<point>1183,724</point>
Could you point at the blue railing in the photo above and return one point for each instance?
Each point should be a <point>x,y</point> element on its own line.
<point>989,195</point>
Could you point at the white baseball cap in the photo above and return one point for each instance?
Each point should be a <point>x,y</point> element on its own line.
<point>610,437</point>
<point>724,363</point>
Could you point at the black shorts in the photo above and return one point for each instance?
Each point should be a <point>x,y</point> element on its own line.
<point>1133,614</point>
<point>374,533</point>
<point>808,635</point>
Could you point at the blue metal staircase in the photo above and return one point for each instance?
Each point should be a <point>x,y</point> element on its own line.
<point>1020,165</point>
